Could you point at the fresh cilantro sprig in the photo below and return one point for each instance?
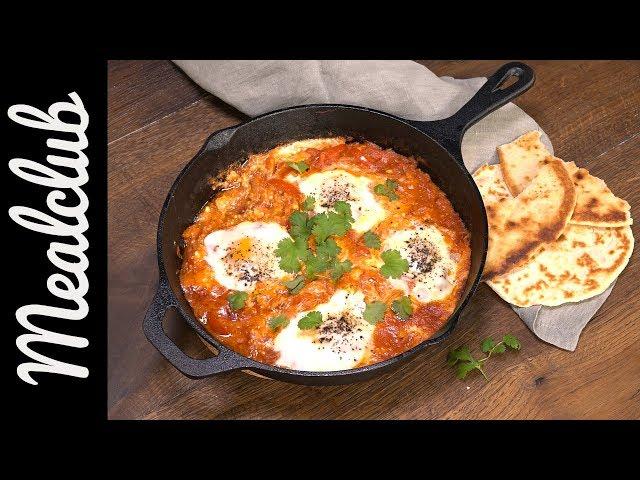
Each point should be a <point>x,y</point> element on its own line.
<point>339,268</point>
<point>295,285</point>
<point>291,252</point>
<point>294,252</point>
<point>388,189</point>
<point>371,240</point>
<point>466,363</point>
<point>310,320</point>
<point>277,322</point>
<point>337,222</point>
<point>300,225</point>
<point>374,312</point>
<point>326,253</point>
<point>402,307</point>
<point>308,203</point>
<point>394,265</point>
<point>237,300</point>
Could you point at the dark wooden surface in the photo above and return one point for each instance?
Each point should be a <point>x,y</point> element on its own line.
<point>158,119</point>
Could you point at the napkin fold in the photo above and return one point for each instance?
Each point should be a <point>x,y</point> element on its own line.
<point>403,88</point>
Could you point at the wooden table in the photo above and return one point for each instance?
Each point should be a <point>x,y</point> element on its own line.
<point>158,119</point>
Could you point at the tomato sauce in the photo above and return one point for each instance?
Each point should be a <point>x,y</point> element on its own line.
<point>258,191</point>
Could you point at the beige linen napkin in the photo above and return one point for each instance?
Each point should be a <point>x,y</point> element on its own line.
<point>406,89</point>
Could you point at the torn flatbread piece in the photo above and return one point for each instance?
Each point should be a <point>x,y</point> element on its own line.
<point>520,160</point>
<point>596,205</point>
<point>581,264</point>
<point>520,226</point>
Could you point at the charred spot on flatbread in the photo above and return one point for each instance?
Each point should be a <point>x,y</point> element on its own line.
<point>519,226</point>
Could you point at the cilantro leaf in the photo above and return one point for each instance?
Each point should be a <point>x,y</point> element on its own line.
<point>374,312</point>
<point>327,224</point>
<point>466,362</point>
<point>499,348</point>
<point>332,223</point>
<point>402,307</point>
<point>487,344</point>
<point>461,353</point>
<point>344,209</point>
<point>465,367</point>
<point>388,189</point>
<point>279,321</point>
<point>236,300</point>
<point>310,320</point>
<point>371,240</point>
<point>295,285</point>
<point>511,341</point>
<point>299,167</point>
<point>299,226</point>
<point>339,268</point>
<point>308,203</point>
<point>316,264</point>
<point>394,265</point>
<point>291,252</point>
<point>328,249</point>
<point>326,252</point>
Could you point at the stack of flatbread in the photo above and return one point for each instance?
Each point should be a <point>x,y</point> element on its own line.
<point>557,234</point>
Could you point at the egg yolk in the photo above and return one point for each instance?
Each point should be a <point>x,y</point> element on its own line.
<point>242,249</point>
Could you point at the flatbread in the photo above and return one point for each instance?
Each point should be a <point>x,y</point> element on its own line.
<point>596,205</point>
<point>581,264</point>
<point>519,226</point>
<point>520,160</point>
<point>497,199</point>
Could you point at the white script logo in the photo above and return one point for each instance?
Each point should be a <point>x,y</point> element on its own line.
<point>59,284</point>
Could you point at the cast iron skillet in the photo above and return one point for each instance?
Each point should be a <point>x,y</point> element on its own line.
<point>438,143</point>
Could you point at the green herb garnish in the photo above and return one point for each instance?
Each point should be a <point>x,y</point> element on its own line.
<point>310,320</point>
<point>339,268</point>
<point>328,249</point>
<point>295,285</point>
<point>308,203</point>
<point>279,321</point>
<point>344,209</point>
<point>316,264</point>
<point>371,240</point>
<point>291,252</point>
<point>394,265</point>
<point>402,307</point>
<point>299,167</point>
<point>374,312</point>
<point>299,225</point>
<point>466,363</point>
<point>388,189</point>
<point>237,299</point>
<point>332,223</point>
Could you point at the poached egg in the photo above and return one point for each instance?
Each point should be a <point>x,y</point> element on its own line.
<point>339,343</point>
<point>432,268</point>
<point>243,255</point>
<point>328,187</point>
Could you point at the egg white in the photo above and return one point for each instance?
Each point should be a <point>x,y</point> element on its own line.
<point>432,270</point>
<point>328,187</point>
<point>338,344</point>
<point>242,255</point>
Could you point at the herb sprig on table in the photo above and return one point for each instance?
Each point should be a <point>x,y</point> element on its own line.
<point>466,363</point>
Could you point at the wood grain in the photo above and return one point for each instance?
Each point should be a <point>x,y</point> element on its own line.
<point>158,120</point>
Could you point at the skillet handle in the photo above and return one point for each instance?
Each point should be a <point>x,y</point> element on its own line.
<point>226,360</point>
<point>448,132</point>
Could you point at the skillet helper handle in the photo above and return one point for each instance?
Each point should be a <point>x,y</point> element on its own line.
<point>449,131</point>
<point>191,367</point>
